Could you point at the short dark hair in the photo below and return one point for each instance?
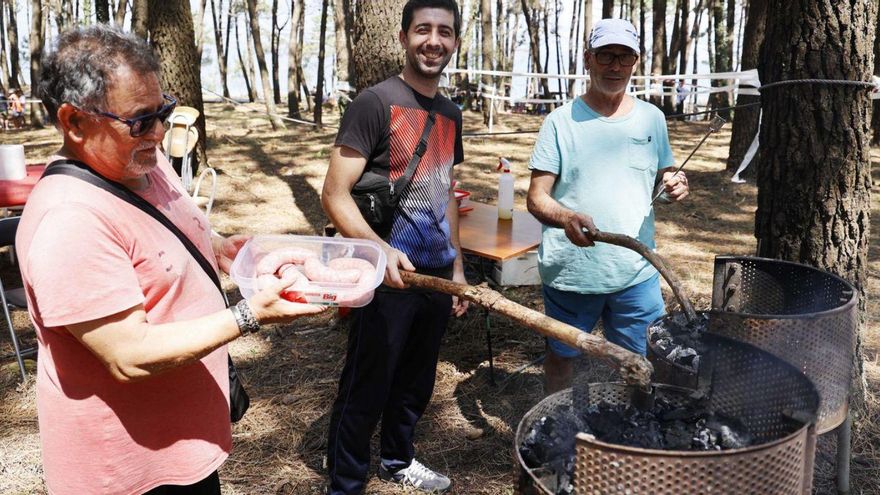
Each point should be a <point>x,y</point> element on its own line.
<point>82,61</point>
<point>413,5</point>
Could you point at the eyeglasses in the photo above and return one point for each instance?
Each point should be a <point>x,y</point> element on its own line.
<point>608,58</point>
<point>141,125</point>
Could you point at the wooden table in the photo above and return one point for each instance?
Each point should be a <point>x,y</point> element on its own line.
<point>483,234</point>
<point>14,193</point>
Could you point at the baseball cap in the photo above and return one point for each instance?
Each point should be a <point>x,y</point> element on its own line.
<point>614,32</point>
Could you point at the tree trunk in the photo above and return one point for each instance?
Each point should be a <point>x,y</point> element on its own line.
<point>534,40</point>
<point>199,26</point>
<point>242,64</point>
<point>686,37</point>
<point>102,11</point>
<point>745,120</point>
<point>675,42</point>
<point>343,42</point>
<point>377,54</point>
<point>36,47</point>
<point>4,75</point>
<point>261,62</point>
<point>573,48</point>
<point>140,14</point>
<point>875,115</point>
<point>319,87</point>
<point>172,37</point>
<point>249,58</point>
<point>588,24</point>
<point>642,32</point>
<point>294,58</point>
<point>217,19</point>
<point>486,55</point>
<point>119,13</point>
<point>607,9</point>
<point>815,175</point>
<point>722,56</point>
<point>658,48</point>
<point>12,36</point>
<point>273,50</point>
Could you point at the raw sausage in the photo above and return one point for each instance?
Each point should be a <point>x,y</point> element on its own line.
<point>319,272</point>
<point>271,262</point>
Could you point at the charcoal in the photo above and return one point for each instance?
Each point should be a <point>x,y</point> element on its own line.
<point>549,445</point>
<point>680,341</point>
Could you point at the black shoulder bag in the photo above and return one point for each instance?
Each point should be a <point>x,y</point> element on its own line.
<point>238,397</point>
<point>376,196</point>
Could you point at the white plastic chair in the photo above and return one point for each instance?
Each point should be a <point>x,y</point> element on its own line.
<point>181,139</point>
<point>206,202</point>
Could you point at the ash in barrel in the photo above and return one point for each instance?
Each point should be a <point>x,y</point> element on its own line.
<point>679,340</point>
<point>548,448</point>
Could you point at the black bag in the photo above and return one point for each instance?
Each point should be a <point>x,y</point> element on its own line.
<point>377,197</point>
<point>238,397</point>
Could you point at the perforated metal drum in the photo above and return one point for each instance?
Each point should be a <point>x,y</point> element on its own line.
<point>774,401</point>
<point>805,316</point>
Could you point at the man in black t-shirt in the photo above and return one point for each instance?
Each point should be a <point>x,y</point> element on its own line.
<point>394,341</point>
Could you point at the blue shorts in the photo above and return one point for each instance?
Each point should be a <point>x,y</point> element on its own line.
<point>625,314</point>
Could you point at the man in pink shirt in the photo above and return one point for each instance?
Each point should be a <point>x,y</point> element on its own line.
<point>132,381</point>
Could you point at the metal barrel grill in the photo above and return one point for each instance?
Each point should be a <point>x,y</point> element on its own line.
<point>805,316</point>
<point>772,399</point>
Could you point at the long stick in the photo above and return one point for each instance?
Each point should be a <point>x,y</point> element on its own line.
<point>656,260</point>
<point>635,369</point>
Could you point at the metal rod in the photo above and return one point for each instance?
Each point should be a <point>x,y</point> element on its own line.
<point>844,440</point>
<point>489,347</point>
<point>714,126</point>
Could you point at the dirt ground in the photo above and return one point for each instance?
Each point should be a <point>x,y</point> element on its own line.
<point>270,182</point>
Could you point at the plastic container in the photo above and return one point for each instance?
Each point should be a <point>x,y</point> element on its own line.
<point>353,295</point>
<point>505,191</point>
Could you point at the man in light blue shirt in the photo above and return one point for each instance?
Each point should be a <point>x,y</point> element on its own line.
<point>595,165</point>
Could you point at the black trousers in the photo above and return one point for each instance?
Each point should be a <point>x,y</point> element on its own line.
<point>208,486</point>
<point>390,365</point>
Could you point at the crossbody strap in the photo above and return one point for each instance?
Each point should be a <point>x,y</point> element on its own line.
<point>80,170</point>
<point>403,181</point>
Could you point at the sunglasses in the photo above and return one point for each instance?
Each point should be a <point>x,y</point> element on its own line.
<point>608,58</point>
<point>141,125</point>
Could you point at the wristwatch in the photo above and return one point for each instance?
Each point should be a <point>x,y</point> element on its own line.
<point>247,322</point>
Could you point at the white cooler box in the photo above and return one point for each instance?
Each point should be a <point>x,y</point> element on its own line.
<point>522,270</point>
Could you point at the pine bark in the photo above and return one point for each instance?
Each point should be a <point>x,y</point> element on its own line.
<point>745,120</point>
<point>172,37</point>
<point>36,48</point>
<point>814,177</point>
<point>875,115</point>
<point>261,63</point>
<point>377,54</point>
<point>294,57</point>
<point>722,55</point>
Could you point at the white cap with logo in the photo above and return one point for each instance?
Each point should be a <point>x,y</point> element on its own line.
<point>614,32</point>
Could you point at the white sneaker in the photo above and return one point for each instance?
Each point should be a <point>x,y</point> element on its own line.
<point>417,475</point>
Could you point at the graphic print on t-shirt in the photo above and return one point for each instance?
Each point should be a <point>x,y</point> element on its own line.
<point>420,225</point>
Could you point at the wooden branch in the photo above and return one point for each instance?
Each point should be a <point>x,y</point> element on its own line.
<point>656,260</point>
<point>635,369</point>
